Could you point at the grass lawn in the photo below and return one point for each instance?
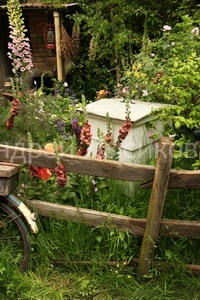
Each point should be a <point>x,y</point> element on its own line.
<point>59,251</point>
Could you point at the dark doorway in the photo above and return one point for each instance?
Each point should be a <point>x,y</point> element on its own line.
<point>5,62</point>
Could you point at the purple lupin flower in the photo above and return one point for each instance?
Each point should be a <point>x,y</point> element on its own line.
<point>19,46</point>
<point>76,128</point>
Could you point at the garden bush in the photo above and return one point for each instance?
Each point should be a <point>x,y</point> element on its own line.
<point>70,261</point>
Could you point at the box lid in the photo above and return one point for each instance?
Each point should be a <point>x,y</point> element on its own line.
<point>116,108</point>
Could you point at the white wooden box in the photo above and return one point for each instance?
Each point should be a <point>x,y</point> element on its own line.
<point>137,147</point>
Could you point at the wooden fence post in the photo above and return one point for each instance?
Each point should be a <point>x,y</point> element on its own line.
<point>156,204</point>
<point>60,71</point>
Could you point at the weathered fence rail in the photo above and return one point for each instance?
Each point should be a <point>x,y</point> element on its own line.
<point>175,228</point>
<point>96,167</point>
<point>158,178</point>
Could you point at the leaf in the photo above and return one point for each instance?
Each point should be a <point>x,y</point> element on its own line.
<point>175,64</point>
<point>178,111</point>
<point>99,238</point>
<point>177,124</point>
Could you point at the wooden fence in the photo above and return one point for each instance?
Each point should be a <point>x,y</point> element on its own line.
<point>158,178</point>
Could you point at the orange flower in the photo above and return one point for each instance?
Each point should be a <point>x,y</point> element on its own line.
<point>101,94</point>
<point>42,173</point>
<point>50,148</point>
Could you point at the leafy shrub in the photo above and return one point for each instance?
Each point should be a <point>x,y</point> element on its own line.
<point>167,71</point>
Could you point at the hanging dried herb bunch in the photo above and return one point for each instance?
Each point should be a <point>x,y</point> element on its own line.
<point>67,45</point>
<point>76,38</point>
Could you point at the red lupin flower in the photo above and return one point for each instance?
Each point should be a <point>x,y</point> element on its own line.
<point>124,130</point>
<point>158,76</point>
<point>10,123</point>
<point>61,175</point>
<point>100,152</point>
<point>108,138</point>
<point>85,138</point>
<point>15,109</point>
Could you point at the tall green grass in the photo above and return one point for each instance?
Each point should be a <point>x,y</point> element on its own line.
<point>71,260</point>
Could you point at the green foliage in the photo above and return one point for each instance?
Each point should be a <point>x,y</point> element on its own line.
<point>168,71</point>
<point>179,86</point>
<point>69,260</point>
<point>44,118</point>
<point>109,35</point>
<point>111,32</point>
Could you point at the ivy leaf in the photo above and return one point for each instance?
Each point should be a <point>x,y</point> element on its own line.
<point>177,124</point>
<point>176,64</point>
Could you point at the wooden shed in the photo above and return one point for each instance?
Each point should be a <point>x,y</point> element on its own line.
<point>36,17</point>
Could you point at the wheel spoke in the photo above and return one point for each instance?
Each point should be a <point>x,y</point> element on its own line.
<point>14,243</point>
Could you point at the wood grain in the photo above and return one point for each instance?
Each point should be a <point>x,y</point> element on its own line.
<point>175,228</point>
<point>156,205</point>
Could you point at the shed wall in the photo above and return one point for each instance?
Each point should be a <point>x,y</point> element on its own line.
<point>44,60</point>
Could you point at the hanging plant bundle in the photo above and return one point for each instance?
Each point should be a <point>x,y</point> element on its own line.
<point>67,46</point>
<point>76,39</point>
